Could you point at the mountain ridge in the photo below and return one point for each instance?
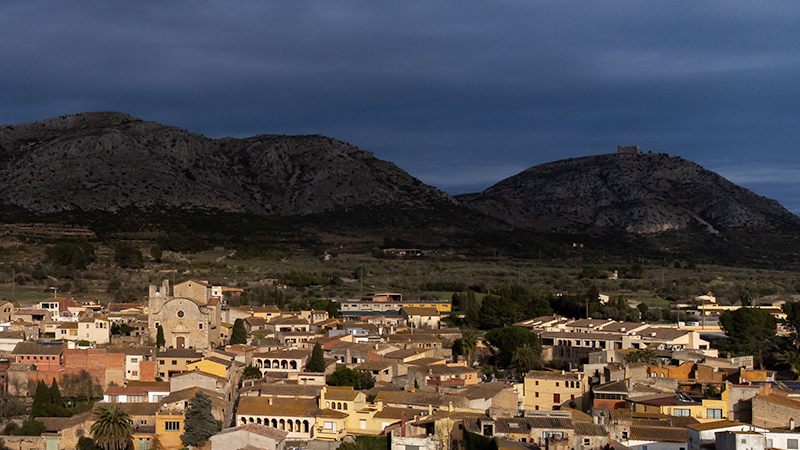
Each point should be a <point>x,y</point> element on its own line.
<point>110,161</point>
<point>639,194</point>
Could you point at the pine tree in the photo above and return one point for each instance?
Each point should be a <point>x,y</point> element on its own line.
<point>160,341</point>
<point>239,333</point>
<point>317,362</point>
<point>200,423</point>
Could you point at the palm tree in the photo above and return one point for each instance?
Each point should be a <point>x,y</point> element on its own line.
<point>792,359</point>
<point>647,356</point>
<point>524,359</point>
<point>469,342</point>
<point>112,428</point>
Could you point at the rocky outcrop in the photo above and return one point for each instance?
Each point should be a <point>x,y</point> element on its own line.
<point>641,194</point>
<point>108,161</point>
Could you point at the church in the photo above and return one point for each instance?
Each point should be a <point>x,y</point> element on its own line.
<point>190,316</point>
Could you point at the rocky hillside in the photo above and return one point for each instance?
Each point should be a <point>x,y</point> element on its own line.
<point>108,161</point>
<point>640,194</point>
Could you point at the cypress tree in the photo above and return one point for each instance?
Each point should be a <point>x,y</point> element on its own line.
<point>239,333</point>
<point>41,400</point>
<point>317,362</point>
<point>160,341</point>
<point>55,395</point>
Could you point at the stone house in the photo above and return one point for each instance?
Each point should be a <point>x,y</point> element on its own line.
<point>251,435</point>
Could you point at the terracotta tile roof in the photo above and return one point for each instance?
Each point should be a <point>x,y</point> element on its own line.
<point>427,361</point>
<point>374,365</point>
<point>615,386</point>
<point>547,375</point>
<point>288,390</point>
<point>290,320</point>
<point>291,407</point>
<point>483,390</point>
<point>780,401</point>
<point>724,423</point>
<point>559,423</point>
<point>53,424</point>
<point>589,429</point>
<point>403,354</point>
<point>333,414</point>
<point>419,398</point>
<point>261,430</point>
<point>217,399</point>
<point>420,311</point>
<point>512,425</point>
<point>39,348</point>
<point>659,434</point>
<point>341,393</point>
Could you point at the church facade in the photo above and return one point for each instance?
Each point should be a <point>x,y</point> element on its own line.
<point>190,318</point>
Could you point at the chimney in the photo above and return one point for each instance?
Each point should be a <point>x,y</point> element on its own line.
<point>269,400</point>
<point>791,423</point>
<point>403,425</point>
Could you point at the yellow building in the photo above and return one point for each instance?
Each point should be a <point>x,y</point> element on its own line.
<point>555,390</point>
<point>212,366</point>
<point>169,427</point>
<point>683,406</point>
<point>440,305</point>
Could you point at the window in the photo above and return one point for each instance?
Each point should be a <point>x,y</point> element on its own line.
<point>537,382</point>
<point>172,426</point>
<point>587,441</point>
<point>200,325</point>
<point>143,422</point>
<point>161,361</point>
<point>363,424</point>
<point>180,314</point>
<point>625,435</point>
<point>556,383</point>
<point>681,412</point>
<point>713,414</point>
<point>174,362</point>
<point>791,443</point>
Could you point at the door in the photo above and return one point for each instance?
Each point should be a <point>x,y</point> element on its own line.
<point>180,342</point>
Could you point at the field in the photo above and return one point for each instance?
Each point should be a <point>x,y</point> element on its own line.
<point>23,294</point>
<point>654,282</point>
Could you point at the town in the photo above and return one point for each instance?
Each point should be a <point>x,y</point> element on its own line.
<point>187,368</point>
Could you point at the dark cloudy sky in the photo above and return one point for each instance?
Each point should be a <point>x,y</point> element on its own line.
<point>460,94</point>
